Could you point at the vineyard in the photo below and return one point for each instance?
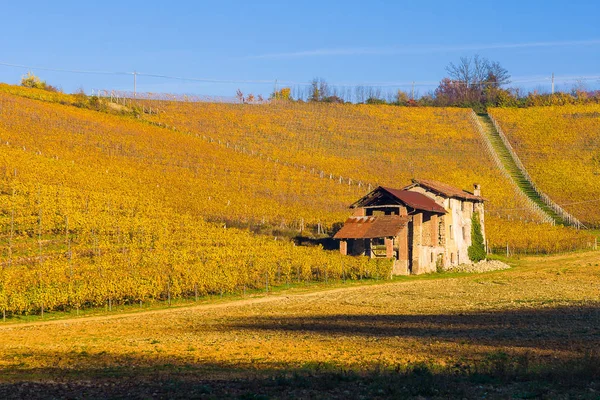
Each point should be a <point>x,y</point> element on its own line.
<point>363,143</point>
<point>119,207</point>
<point>559,146</point>
<point>100,209</point>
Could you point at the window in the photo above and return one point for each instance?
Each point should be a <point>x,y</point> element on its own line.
<point>378,241</point>
<point>451,233</point>
<point>464,233</point>
<point>451,258</point>
<point>431,257</point>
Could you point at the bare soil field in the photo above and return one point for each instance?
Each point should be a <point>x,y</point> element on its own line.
<point>532,331</point>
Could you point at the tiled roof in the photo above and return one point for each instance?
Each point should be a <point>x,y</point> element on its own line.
<point>445,189</point>
<point>381,196</point>
<point>371,227</point>
<point>416,200</point>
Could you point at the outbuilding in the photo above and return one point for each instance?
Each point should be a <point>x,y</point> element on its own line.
<point>421,226</point>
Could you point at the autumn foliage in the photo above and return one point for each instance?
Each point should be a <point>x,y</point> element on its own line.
<point>559,146</point>
<point>102,209</point>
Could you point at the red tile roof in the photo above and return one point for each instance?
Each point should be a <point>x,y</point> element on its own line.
<point>371,227</point>
<point>414,200</point>
<point>445,189</point>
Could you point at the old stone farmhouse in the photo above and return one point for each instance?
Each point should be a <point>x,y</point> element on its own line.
<point>421,226</point>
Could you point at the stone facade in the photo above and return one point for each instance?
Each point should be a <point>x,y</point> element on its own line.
<point>433,229</point>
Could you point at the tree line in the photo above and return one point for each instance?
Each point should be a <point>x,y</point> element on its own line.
<point>473,82</point>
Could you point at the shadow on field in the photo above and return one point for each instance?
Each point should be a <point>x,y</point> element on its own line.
<point>558,328</point>
<point>500,375</point>
<point>505,372</point>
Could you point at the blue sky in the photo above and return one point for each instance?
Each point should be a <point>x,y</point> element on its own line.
<point>343,42</point>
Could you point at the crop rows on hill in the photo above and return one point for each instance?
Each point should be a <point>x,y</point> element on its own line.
<point>384,145</point>
<point>560,147</point>
<point>99,208</point>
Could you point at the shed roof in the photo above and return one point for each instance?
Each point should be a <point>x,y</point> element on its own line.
<point>372,227</point>
<point>445,190</point>
<point>415,200</point>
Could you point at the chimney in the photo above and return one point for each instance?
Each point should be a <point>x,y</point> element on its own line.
<point>477,189</point>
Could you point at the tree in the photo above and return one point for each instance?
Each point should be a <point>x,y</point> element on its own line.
<point>282,94</point>
<point>478,72</point>
<point>402,98</point>
<point>31,81</point>
<point>319,90</point>
<point>239,95</point>
<point>476,250</point>
<point>497,75</point>
<point>473,82</point>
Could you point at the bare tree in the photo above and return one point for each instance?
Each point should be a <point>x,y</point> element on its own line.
<point>239,95</point>
<point>497,75</point>
<point>319,90</point>
<point>477,72</point>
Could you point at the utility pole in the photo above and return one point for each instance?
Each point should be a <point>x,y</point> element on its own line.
<point>134,83</point>
<point>412,91</point>
<point>553,83</point>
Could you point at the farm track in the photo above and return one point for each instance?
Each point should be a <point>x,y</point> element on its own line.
<point>340,343</point>
<point>513,170</point>
<point>200,307</point>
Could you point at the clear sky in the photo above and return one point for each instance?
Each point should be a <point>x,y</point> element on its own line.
<point>342,42</point>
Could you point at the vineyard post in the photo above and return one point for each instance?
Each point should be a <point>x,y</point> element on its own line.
<point>267,280</point>
<point>169,290</point>
<point>68,240</point>
<point>12,232</point>
<point>278,274</point>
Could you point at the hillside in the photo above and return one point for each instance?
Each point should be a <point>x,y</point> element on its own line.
<point>560,147</point>
<point>101,206</point>
<point>101,209</point>
<point>528,332</point>
<point>384,145</point>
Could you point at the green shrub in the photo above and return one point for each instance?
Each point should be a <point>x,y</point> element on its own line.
<point>32,81</point>
<point>477,249</point>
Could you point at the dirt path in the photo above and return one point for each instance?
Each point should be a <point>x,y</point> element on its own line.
<point>202,307</point>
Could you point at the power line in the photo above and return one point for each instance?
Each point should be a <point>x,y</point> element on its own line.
<point>290,82</point>
<point>67,70</point>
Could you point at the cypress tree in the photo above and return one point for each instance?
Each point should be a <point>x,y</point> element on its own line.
<point>477,249</point>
